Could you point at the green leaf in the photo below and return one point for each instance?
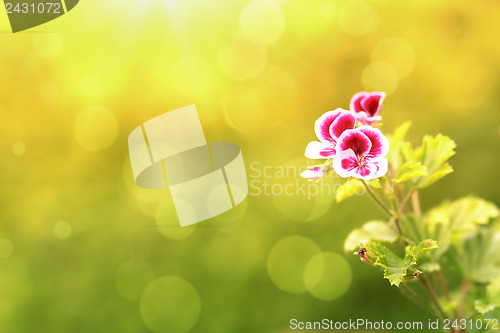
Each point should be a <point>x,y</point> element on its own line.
<point>371,231</point>
<point>464,214</point>
<point>441,171</point>
<point>422,248</point>
<point>450,220</point>
<point>400,133</point>
<point>413,228</point>
<point>433,154</point>
<point>478,255</point>
<point>406,153</point>
<point>395,141</point>
<point>444,236</point>
<point>395,268</point>
<point>408,171</point>
<point>351,187</point>
<point>492,300</point>
<point>355,238</point>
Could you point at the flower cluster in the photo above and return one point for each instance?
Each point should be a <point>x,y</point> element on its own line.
<point>351,151</point>
<point>353,147</point>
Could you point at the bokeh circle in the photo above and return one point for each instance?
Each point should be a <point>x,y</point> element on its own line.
<point>327,276</point>
<point>170,304</point>
<point>95,128</point>
<point>287,260</point>
<point>132,277</point>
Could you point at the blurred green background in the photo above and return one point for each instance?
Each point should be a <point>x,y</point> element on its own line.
<point>82,249</point>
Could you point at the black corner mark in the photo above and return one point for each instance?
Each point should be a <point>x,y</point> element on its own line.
<point>26,14</point>
<point>70,4</point>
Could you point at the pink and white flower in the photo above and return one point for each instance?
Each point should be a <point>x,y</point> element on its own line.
<point>361,154</point>
<point>328,129</point>
<point>366,106</point>
<point>315,173</point>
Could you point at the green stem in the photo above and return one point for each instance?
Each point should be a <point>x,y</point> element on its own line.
<point>463,305</point>
<point>415,297</point>
<point>400,211</point>
<point>416,203</point>
<point>396,219</point>
<point>442,284</point>
<point>398,226</point>
<point>446,292</point>
<point>377,200</point>
<point>405,201</point>
<point>433,296</point>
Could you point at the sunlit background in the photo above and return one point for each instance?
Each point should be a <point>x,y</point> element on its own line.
<point>83,249</point>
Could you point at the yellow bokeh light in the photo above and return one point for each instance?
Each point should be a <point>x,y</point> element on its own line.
<point>95,128</point>
<point>91,86</point>
<point>380,76</point>
<point>262,22</point>
<point>327,9</point>
<point>62,230</point>
<point>287,260</point>
<point>242,59</point>
<point>396,51</point>
<point>19,148</point>
<point>47,45</point>
<point>357,17</point>
<point>327,276</point>
<point>191,76</point>
<point>244,106</point>
<point>164,299</point>
<point>49,91</point>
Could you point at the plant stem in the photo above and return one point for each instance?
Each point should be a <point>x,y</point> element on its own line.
<point>463,305</point>
<point>398,226</point>
<point>400,210</point>
<point>405,201</point>
<point>416,203</point>
<point>377,200</point>
<point>415,297</point>
<point>442,284</point>
<point>433,296</point>
<point>446,291</point>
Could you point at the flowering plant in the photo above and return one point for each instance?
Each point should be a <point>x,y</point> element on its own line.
<point>446,259</point>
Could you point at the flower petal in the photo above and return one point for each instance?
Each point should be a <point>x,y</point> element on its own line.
<point>313,173</point>
<point>372,103</point>
<point>382,167</point>
<point>344,163</point>
<point>355,104</point>
<point>355,140</point>
<point>380,144</point>
<point>319,150</point>
<point>322,126</point>
<point>344,121</point>
<point>363,118</point>
<point>365,172</point>
<point>374,168</point>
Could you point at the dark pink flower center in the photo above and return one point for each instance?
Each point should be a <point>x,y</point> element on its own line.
<point>370,105</point>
